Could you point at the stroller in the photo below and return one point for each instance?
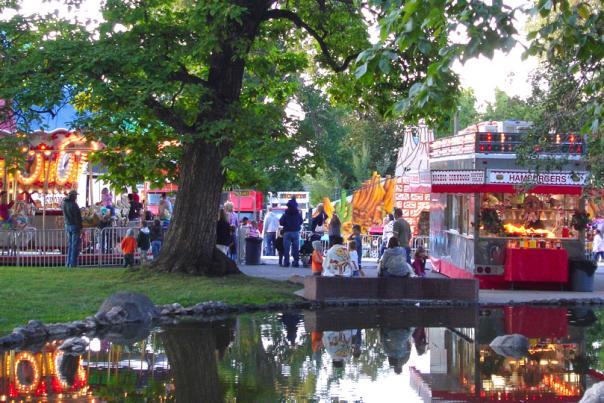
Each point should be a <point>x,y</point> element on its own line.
<point>306,250</point>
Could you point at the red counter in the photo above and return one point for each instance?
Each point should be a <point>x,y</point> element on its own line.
<point>536,322</point>
<point>536,265</point>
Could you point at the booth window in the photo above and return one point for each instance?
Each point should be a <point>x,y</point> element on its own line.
<point>459,212</point>
<point>520,212</point>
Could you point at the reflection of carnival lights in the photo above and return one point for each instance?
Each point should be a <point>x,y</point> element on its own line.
<point>81,378</point>
<point>26,357</point>
<point>561,387</point>
<point>548,348</point>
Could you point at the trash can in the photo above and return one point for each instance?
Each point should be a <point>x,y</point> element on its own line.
<point>582,275</point>
<point>253,250</point>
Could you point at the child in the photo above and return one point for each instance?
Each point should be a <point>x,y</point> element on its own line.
<point>317,258</point>
<point>254,233</point>
<point>128,247</point>
<point>279,246</point>
<point>107,200</point>
<point>245,228</point>
<point>157,237</point>
<point>419,263</point>
<point>356,237</point>
<point>144,241</point>
<point>354,260</point>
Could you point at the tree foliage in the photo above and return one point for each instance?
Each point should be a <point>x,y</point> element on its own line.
<point>467,114</point>
<point>571,37</point>
<point>508,107</point>
<point>346,145</point>
<point>569,84</point>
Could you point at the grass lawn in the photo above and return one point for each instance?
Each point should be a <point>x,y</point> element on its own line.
<point>57,294</point>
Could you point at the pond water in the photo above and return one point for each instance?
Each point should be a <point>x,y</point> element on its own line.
<point>374,354</point>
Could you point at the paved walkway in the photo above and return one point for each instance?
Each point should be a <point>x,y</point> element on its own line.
<point>272,271</point>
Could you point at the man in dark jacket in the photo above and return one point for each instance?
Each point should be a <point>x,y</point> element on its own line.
<point>402,231</point>
<point>73,227</point>
<point>291,221</point>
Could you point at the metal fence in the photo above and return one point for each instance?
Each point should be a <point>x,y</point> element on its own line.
<point>33,247</point>
<point>101,247</point>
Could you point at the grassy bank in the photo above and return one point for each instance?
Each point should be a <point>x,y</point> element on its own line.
<point>56,294</point>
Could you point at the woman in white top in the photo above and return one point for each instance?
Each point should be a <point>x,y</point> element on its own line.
<point>597,246</point>
<point>387,232</point>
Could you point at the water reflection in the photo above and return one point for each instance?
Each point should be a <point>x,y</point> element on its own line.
<point>364,354</point>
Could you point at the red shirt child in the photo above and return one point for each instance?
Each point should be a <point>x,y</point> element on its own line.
<point>317,258</point>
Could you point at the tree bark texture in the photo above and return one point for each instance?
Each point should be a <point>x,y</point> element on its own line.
<point>192,354</point>
<point>190,243</point>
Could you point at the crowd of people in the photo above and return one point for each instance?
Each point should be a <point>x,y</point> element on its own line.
<point>151,228</point>
<point>229,230</point>
<point>343,345</point>
<point>279,235</point>
<point>395,253</point>
<point>348,345</point>
<point>342,257</point>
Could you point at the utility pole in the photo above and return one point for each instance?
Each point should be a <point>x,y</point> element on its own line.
<point>456,120</point>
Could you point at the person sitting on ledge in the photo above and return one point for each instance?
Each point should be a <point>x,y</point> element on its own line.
<point>394,261</point>
<point>337,260</point>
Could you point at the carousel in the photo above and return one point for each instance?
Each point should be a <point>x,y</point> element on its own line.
<point>53,165</point>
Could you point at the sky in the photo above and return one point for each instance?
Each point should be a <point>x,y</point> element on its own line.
<point>505,71</point>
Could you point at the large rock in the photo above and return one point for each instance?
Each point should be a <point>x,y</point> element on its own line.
<point>126,334</point>
<point>511,345</point>
<point>595,394</point>
<point>74,346</point>
<point>33,331</point>
<point>125,307</point>
<point>11,341</point>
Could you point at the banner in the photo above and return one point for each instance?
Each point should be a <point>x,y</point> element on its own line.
<point>458,177</point>
<point>546,178</point>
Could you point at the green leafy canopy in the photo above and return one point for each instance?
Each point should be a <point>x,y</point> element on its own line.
<point>150,72</point>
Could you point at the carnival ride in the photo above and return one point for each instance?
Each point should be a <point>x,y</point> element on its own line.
<point>409,190</point>
<point>54,162</point>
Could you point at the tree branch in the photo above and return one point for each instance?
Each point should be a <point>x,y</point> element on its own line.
<point>184,76</point>
<point>295,18</point>
<point>167,116</point>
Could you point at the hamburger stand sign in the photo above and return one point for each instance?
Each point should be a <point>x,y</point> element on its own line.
<point>544,178</point>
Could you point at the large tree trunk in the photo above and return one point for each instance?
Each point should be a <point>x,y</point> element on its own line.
<point>190,244</point>
<point>191,350</point>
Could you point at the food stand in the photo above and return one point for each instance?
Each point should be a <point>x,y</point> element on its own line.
<point>493,220</point>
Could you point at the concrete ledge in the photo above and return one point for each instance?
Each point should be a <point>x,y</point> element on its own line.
<point>335,288</point>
